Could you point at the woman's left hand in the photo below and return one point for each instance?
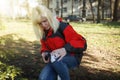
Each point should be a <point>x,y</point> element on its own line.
<point>61,52</point>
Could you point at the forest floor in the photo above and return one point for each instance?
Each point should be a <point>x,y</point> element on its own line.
<point>101,61</point>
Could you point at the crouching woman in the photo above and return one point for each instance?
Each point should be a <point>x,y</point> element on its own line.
<point>61,45</point>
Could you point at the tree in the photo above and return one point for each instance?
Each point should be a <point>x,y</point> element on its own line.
<point>14,11</point>
<point>99,11</point>
<point>111,9</point>
<point>103,8</point>
<point>115,13</point>
<point>57,8</point>
<point>84,9</point>
<point>26,6</point>
<point>72,8</point>
<point>61,8</point>
<point>92,11</point>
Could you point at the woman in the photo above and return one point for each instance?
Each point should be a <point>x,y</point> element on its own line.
<point>61,46</point>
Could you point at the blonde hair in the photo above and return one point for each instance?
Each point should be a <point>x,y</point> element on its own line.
<point>42,11</point>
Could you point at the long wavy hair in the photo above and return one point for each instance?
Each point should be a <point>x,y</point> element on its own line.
<point>41,11</point>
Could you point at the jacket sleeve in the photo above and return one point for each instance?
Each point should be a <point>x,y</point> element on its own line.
<point>43,47</point>
<point>74,41</point>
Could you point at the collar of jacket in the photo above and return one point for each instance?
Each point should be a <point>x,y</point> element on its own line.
<point>48,32</point>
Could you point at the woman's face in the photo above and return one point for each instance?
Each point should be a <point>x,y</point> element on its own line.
<point>44,23</point>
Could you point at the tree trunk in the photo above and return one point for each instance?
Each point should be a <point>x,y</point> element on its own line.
<point>92,11</point>
<point>57,8</point>
<point>80,8</point>
<point>61,8</point>
<point>98,11</point>
<point>72,8</point>
<point>115,13</point>
<point>111,9</point>
<point>103,8</point>
<point>84,9</point>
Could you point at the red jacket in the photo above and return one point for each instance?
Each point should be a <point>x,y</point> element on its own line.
<point>65,37</point>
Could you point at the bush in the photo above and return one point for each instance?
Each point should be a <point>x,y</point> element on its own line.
<point>8,72</point>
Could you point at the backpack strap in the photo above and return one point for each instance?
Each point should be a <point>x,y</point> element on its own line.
<point>62,26</point>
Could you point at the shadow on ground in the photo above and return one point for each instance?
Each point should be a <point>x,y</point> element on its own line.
<point>25,55</point>
<point>22,54</point>
<point>112,24</point>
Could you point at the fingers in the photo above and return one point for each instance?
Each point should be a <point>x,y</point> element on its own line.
<point>43,57</point>
<point>46,61</point>
<point>58,53</point>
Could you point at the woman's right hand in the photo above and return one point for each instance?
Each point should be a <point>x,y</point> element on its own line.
<point>43,57</point>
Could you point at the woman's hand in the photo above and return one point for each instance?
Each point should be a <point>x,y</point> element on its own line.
<point>43,57</point>
<point>61,52</point>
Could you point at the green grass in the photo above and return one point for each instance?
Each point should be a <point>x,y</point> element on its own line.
<point>101,61</point>
<point>102,35</point>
